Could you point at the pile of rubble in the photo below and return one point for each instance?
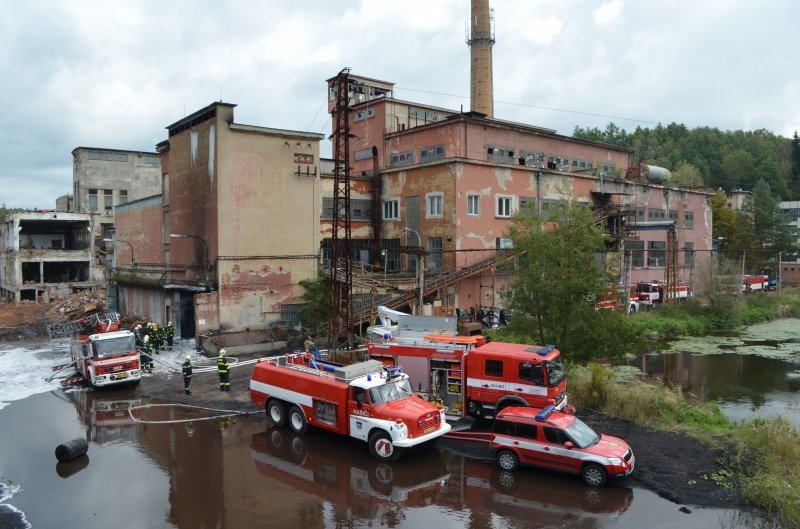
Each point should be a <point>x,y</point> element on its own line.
<point>78,305</point>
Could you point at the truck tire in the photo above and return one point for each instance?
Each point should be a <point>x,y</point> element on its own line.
<point>297,420</point>
<point>276,411</point>
<point>381,447</point>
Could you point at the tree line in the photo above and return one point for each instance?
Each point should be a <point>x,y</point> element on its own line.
<point>709,157</point>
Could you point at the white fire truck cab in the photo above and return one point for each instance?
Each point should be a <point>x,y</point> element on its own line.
<point>367,400</point>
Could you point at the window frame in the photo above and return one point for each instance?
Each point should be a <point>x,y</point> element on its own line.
<point>504,199</point>
<point>473,205</point>
<point>433,202</point>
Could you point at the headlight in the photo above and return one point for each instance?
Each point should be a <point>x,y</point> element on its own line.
<point>617,462</point>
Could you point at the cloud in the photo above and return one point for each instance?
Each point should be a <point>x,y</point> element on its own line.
<point>608,11</point>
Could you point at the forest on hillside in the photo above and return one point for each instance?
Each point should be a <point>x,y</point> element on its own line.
<point>709,157</point>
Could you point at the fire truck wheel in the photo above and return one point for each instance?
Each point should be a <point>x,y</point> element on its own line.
<point>507,460</point>
<point>381,447</point>
<point>594,475</point>
<point>297,421</point>
<point>276,412</point>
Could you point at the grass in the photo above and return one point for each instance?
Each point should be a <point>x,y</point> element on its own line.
<point>765,453</point>
<point>694,318</point>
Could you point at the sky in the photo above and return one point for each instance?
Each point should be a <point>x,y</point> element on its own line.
<point>90,73</point>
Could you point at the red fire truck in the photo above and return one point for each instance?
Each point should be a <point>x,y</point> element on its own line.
<point>477,378</point>
<point>653,293</point>
<point>101,353</point>
<point>755,283</point>
<point>367,400</point>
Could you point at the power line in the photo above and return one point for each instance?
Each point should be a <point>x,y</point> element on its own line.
<point>593,114</point>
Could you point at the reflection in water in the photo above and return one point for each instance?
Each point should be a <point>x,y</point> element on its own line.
<point>66,469</point>
<point>745,385</point>
<point>360,490</point>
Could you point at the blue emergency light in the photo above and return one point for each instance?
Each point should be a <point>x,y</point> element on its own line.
<point>545,413</point>
<point>394,371</point>
<point>546,350</point>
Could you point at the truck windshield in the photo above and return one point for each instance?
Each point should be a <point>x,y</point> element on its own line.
<point>581,434</point>
<point>391,391</point>
<point>555,373</point>
<point>114,346</point>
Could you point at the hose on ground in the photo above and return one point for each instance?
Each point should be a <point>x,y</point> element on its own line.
<point>224,414</point>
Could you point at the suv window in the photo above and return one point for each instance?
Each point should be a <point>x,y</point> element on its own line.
<point>554,435</point>
<point>526,431</point>
<point>504,428</point>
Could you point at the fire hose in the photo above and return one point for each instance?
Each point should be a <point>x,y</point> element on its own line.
<point>224,414</point>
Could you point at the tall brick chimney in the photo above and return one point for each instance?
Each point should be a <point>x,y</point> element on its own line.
<point>480,41</point>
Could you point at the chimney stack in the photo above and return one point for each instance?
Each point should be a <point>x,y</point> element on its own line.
<point>480,41</point>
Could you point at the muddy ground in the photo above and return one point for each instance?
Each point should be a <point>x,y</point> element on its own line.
<point>673,465</point>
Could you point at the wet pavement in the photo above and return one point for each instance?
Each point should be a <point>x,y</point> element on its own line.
<point>203,469</point>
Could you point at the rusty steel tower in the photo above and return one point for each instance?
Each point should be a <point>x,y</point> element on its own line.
<point>341,270</point>
<point>480,40</point>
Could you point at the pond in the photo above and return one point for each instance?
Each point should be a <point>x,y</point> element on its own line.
<point>756,374</point>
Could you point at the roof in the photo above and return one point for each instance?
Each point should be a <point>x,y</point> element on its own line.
<point>556,418</point>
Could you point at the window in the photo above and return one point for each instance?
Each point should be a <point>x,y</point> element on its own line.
<point>654,214</point>
<point>636,250</point>
<point>500,154</point>
<point>360,209</point>
<point>636,215</point>
<point>430,154</point>
<point>434,253</point>
<point>364,114</point>
<point>391,209</point>
<point>503,244</point>
<point>656,253</point>
<point>93,200</point>
<point>532,373</point>
<point>153,159</point>
<point>688,220</point>
<point>108,199</point>
<point>673,215</point>
<point>504,206</point>
<point>523,201</point>
<point>494,368</point>
<point>581,165</point>
<point>392,257</point>
<point>434,205</point>
<point>402,158</point>
<point>526,431</point>
<point>363,154</point>
<point>688,254</point>
<point>108,156</point>
<point>473,205</point>
<point>123,196</point>
<point>555,436</point>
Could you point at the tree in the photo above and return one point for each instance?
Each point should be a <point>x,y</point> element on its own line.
<point>559,276</point>
<point>768,227</point>
<point>724,218</point>
<point>687,175</point>
<point>315,314</point>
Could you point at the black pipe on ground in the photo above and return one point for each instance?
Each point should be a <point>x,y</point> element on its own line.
<point>71,449</point>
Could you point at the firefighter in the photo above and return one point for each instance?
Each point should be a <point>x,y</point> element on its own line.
<point>146,354</point>
<point>309,345</point>
<point>169,332</point>
<point>187,374</point>
<point>223,369</point>
<point>156,338</point>
<point>137,334</point>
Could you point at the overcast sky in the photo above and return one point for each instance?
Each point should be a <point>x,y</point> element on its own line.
<point>115,74</point>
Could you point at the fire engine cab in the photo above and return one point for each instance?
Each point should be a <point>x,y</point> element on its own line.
<point>366,400</point>
<point>102,354</point>
<point>467,374</point>
<point>653,293</point>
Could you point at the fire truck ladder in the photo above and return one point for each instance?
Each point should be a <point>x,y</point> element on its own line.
<point>69,328</point>
<point>436,283</point>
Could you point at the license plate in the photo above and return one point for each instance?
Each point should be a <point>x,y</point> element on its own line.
<point>429,430</point>
<point>122,375</point>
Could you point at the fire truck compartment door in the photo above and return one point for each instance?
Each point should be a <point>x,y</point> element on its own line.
<point>418,370</point>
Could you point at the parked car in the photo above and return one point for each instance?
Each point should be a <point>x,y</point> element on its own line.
<point>550,439</point>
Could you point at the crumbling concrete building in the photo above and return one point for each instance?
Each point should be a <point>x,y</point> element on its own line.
<point>47,255</point>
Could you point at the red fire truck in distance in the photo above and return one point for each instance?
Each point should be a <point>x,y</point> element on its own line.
<point>102,354</point>
<point>653,293</point>
<point>367,400</point>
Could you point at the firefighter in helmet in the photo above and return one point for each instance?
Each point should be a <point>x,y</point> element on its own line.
<point>169,334</point>
<point>223,369</point>
<point>146,354</point>
<point>186,368</point>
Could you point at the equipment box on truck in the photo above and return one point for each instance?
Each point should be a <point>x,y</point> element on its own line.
<point>367,400</point>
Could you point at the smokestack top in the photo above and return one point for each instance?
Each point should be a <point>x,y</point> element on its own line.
<point>480,42</point>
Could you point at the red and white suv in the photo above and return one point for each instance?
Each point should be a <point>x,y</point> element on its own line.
<point>554,440</point>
